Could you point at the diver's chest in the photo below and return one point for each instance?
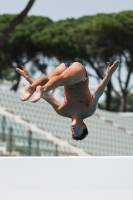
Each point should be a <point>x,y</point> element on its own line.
<point>74,107</point>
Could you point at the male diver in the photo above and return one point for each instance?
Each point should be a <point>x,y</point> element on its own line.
<point>78,102</point>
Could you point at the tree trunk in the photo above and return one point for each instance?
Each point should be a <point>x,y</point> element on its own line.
<point>123,101</point>
<point>17,20</point>
<point>15,86</point>
<point>108,99</point>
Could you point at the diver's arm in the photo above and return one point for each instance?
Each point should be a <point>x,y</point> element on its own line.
<point>29,79</point>
<point>52,101</point>
<point>24,73</point>
<point>102,85</point>
<point>97,94</point>
<point>92,106</point>
<point>100,88</point>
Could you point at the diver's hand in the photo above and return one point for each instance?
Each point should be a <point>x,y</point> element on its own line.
<point>23,72</point>
<point>111,69</point>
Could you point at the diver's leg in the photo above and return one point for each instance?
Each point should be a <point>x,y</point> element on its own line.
<point>74,74</point>
<point>53,83</point>
<point>30,89</point>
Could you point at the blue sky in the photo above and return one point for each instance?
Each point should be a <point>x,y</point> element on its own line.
<point>60,9</point>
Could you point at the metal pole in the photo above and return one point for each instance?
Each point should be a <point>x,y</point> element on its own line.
<point>3,129</point>
<point>37,150</point>
<point>29,142</point>
<point>56,151</point>
<point>10,139</point>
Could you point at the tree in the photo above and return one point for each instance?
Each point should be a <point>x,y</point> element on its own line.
<point>9,28</point>
<point>15,21</point>
<point>20,48</point>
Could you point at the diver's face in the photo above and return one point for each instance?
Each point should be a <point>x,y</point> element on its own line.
<point>77,129</point>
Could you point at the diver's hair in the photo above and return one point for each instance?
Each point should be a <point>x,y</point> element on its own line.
<point>84,134</point>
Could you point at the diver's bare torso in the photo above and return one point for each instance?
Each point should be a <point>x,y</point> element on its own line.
<point>77,98</point>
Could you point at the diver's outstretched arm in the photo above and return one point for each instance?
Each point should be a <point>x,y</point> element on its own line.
<point>102,85</point>
<point>41,80</point>
<point>100,88</point>
<point>25,74</point>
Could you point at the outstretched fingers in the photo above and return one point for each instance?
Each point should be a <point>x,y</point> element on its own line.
<point>108,65</point>
<point>116,63</point>
<point>19,70</point>
<point>22,67</point>
<point>111,69</point>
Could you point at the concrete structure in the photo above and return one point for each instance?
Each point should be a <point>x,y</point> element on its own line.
<point>109,133</point>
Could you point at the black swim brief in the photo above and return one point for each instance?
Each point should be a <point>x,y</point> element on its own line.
<point>69,64</point>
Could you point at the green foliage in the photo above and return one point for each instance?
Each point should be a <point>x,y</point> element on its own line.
<point>111,34</point>
<point>5,19</point>
<point>20,48</point>
<point>99,36</point>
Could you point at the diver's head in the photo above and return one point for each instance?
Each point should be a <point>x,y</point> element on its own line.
<point>79,130</point>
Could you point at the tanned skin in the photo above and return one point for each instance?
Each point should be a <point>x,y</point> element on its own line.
<point>78,102</point>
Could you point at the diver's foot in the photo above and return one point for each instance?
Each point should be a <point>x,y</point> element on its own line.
<point>39,93</point>
<point>28,91</point>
